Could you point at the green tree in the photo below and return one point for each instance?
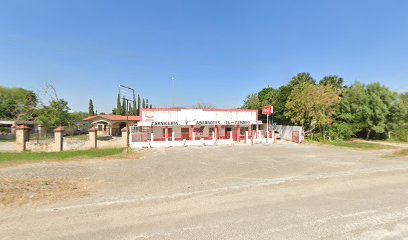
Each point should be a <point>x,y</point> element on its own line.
<point>310,105</point>
<point>151,106</point>
<point>134,106</point>
<point>18,103</point>
<point>252,102</point>
<point>118,106</point>
<point>138,104</point>
<point>55,114</point>
<point>124,107</point>
<point>301,78</point>
<point>372,111</point>
<point>143,103</point>
<point>91,108</point>
<point>333,80</point>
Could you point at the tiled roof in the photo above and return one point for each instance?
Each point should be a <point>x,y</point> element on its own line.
<point>113,118</point>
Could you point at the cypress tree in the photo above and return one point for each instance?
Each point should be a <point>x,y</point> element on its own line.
<point>144,103</point>
<point>91,108</point>
<point>118,106</point>
<point>151,105</point>
<point>123,106</point>
<point>138,104</point>
<point>147,103</point>
<point>134,106</point>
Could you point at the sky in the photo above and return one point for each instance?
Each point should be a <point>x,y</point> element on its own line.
<point>217,51</point>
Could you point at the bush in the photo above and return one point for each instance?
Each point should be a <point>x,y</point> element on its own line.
<point>400,134</point>
<point>340,131</point>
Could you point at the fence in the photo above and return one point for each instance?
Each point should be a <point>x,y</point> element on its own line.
<point>290,133</point>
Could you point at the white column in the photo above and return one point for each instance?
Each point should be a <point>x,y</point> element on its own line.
<point>151,137</point>
<point>172,136</point>
<point>194,136</point>
<point>231,135</point>
<point>246,137</point>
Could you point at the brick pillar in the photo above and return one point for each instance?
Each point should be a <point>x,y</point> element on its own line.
<point>93,137</point>
<point>21,137</point>
<point>58,139</point>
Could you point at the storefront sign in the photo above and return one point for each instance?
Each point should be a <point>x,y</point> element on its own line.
<point>267,110</point>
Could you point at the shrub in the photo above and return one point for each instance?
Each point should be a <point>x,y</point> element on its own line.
<point>340,131</point>
<point>400,134</point>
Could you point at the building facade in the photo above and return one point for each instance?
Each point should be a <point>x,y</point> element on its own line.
<point>173,126</point>
<point>110,125</point>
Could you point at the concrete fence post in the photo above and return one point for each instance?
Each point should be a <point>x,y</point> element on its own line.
<point>58,139</point>
<point>93,138</point>
<point>41,131</point>
<point>124,136</point>
<point>21,137</point>
<point>246,137</point>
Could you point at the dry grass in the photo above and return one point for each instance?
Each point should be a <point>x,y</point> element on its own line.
<point>18,192</point>
<point>399,153</point>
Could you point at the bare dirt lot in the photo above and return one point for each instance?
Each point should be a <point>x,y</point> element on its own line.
<point>283,191</point>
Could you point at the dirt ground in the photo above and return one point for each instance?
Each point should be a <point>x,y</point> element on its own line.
<point>283,191</point>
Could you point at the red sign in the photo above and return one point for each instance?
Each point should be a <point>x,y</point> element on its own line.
<point>267,110</point>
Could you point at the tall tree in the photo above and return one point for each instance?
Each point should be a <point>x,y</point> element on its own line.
<point>124,107</point>
<point>55,114</point>
<point>371,110</point>
<point>143,103</point>
<point>147,103</point>
<point>332,80</point>
<point>138,105</point>
<point>118,106</point>
<point>91,108</point>
<point>134,106</point>
<point>18,104</point>
<point>301,78</point>
<point>151,106</point>
<point>252,102</point>
<point>309,105</point>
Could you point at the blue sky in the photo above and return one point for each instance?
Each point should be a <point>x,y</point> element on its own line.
<point>217,51</point>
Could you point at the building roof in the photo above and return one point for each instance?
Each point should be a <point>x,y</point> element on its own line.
<point>113,118</point>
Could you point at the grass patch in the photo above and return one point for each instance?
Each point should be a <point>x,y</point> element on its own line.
<point>399,153</point>
<point>357,145</point>
<point>20,157</point>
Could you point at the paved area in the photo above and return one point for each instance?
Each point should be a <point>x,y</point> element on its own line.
<point>284,191</point>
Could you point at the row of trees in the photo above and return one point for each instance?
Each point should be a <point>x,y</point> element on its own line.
<point>329,110</point>
<point>133,107</point>
<point>25,105</point>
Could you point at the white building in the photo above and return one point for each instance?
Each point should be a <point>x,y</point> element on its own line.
<point>179,126</point>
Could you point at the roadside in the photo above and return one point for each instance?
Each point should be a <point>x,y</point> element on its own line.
<point>276,191</point>
<point>15,158</point>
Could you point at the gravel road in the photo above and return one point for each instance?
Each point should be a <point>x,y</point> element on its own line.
<point>283,191</point>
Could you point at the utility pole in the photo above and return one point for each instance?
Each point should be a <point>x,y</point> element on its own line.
<point>126,93</point>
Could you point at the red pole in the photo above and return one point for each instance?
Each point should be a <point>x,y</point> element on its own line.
<point>238,133</point>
